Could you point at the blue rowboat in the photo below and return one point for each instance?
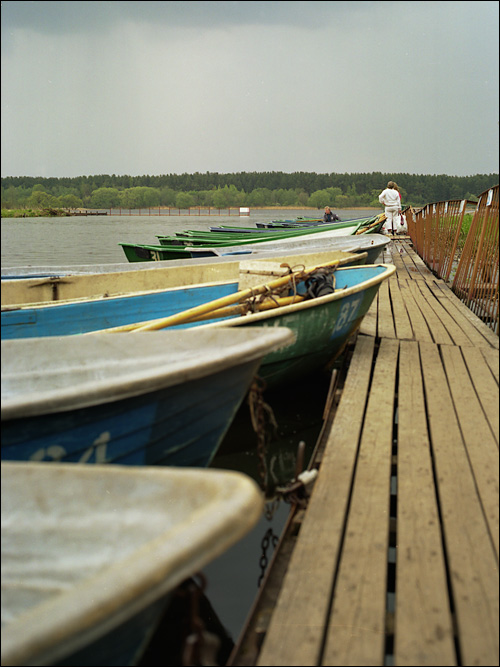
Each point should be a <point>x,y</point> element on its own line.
<point>321,324</point>
<point>162,398</point>
<point>38,284</point>
<point>92,555</point>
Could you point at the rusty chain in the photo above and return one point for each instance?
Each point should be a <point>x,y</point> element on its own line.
<point>262,417</point>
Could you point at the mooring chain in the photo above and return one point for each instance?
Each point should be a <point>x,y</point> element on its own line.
<point>262,416</point>
<point>296,492</point>
<point>268,538</point>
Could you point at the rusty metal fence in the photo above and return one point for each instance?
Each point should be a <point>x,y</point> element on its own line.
<point>466,256</point>
<point>191,211</point>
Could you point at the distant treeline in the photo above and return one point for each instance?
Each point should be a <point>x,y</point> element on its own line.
<point>251,189</point>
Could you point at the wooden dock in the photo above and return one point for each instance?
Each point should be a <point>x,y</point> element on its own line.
<point>394,561</point>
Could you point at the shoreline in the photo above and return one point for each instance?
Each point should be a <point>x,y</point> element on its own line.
<point>43,213</point>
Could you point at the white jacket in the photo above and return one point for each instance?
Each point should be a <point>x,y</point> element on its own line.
<point>390,198</point>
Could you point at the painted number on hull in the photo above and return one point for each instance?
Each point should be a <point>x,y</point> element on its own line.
<point>347,313</point>
<point>155,255</point>
<point>56,453</point>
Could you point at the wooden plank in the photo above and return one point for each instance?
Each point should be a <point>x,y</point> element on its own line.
<point>356,629</point>
<point>385,324</point>
<point>296,629</point>
<point>450,303</point>
<point>413,271</point>
<point>387,253</point>
<point>472,566</point>
<point>407,270</point>
<point>368,326</point>
<point>423,621</point>
<point>402,271</point>
<point>455,333</point>
<point>485,384</point>
<point>489,337</point>
<point>418,322</point>
<point>482,448</point>
<point>491,357</point>
<point>438,331</point>
<point>402,322</point>
<point>420,265</point>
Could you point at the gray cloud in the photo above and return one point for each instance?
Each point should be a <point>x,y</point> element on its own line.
<point>52,17</point>
<point>172,87</point>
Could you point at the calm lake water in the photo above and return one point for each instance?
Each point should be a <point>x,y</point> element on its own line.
<point>232,580</point>
<point>95,239</point>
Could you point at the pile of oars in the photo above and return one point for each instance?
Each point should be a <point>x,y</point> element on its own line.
<point>363,230</point>
<point>234,304</point>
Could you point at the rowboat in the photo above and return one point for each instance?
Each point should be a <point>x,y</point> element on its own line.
<point>286,223</point>
<point>321,324</point>
<point>271,223</point>
<point>372,244</point>
<point>304,222</point>
<point>91,555</point>
<point>38,284</point>
<point>221,235</point>
<point>178,247</point>
<point>166,398</point>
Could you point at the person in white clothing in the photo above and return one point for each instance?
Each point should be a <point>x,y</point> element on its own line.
<point>391,199</point>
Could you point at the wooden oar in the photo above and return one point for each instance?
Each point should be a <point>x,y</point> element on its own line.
<point>241,309</point>
<point>374,224</point>
<point>209,307</point>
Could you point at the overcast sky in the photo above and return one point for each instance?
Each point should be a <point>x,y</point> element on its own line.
<point>172,87</point>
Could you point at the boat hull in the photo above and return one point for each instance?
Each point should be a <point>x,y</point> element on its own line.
<point>92,555</point>
<point>158,398</point>
<point>179,426</point>
<point>321,325</point>
<point>25,285</point>
<point>63,285</point>
<point>372,244</point>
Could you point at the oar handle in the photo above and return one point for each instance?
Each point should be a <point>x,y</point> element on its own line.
<point>241,309</point>
<point>362,230</point>
<point>188,315</point>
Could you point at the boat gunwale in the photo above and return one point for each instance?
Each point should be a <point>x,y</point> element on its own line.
<point>147,379</point>
<point>348,257</point>
<point>103,601</point>
<point>339,293</point>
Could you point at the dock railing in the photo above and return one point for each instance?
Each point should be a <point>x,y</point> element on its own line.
<point>466,258</point>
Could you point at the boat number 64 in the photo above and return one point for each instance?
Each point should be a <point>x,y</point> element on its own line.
<point>347,313</point>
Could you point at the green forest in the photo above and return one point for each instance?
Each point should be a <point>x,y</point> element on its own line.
<point>252,189</point>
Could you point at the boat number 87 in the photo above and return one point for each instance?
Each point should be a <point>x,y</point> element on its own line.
<point>347,313</point>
